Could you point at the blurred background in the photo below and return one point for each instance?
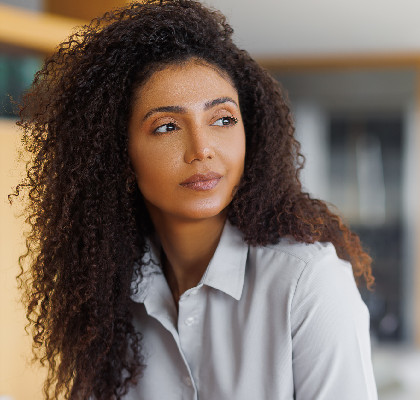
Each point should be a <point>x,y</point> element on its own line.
<point>351,70</point>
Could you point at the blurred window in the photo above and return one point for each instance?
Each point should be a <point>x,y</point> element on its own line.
<point>366,185</point>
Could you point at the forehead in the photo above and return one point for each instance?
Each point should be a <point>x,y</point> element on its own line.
<point>189,82</point>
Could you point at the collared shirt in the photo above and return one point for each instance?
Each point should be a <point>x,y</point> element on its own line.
<point>282,322</point>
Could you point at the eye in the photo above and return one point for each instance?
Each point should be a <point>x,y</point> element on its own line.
<point>166,128</point>
<point>226,121</point>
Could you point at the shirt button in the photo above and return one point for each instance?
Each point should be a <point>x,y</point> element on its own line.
<point>189,321</point>
<point>187,381</point>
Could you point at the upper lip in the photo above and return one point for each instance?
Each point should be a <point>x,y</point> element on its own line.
<point>201,178</point>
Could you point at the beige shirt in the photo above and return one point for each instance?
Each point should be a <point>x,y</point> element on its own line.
<point>283,322</point>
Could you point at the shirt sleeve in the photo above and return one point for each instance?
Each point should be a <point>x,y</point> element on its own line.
<point>330,334</point>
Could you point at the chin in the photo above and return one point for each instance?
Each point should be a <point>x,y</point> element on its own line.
<point>203,211</point>
<point>200,215</point>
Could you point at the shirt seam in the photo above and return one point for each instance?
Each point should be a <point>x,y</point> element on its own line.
<point>291,253</point>
<point>305,267</point>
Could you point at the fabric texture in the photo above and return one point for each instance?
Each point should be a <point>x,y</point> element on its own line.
<point>282,322</point>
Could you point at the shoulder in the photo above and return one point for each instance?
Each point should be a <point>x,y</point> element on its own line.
<point>305,252</point>
<point>321,284</point>
<point>302,261</point>
<point>329,324</point>
<point>326,318</point>
<point>312,274</point>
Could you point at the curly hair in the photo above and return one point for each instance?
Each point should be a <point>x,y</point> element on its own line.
<point>88,220</point>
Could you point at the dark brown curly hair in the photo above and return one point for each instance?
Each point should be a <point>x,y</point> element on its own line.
<point>88,218</point>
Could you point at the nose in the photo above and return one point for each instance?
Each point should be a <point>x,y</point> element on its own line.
<point>199,146</point>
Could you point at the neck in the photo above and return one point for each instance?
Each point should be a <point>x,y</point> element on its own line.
<point>188,246</point>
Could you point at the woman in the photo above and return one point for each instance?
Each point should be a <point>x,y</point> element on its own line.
<point>173,252</point>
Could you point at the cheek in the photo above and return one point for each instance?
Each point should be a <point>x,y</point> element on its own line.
<point>236,156</point>
<point>153,165</point>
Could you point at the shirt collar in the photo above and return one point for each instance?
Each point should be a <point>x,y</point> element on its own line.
<point>225,272</point>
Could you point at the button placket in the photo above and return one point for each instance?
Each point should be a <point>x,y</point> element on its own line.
<point>190,331</point>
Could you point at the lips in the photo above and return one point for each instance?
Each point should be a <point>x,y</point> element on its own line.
<point>202,181</point>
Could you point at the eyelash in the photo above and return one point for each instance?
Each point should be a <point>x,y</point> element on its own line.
<point>232,121</point>
<point>155,131</point>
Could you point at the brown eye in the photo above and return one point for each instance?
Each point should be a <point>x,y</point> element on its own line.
<point>166,128</point>
<point>226,121</point>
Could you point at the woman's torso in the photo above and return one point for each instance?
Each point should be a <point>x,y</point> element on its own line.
<point>276,322</point>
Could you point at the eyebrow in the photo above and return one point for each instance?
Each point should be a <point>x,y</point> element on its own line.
<point>182,110</point>
<point>220,100</point>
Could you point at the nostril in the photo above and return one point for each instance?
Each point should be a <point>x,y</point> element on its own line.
<point>199,155</point>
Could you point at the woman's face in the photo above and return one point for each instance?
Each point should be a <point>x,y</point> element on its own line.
<point>187,141</point>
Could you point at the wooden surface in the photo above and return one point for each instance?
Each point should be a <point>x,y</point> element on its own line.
<point>341,61</point>
<point>18,378</point>
<point>82,9</point>
<point>40,32</point>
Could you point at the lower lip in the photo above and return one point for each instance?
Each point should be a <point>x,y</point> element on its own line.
<point>202,185</point>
